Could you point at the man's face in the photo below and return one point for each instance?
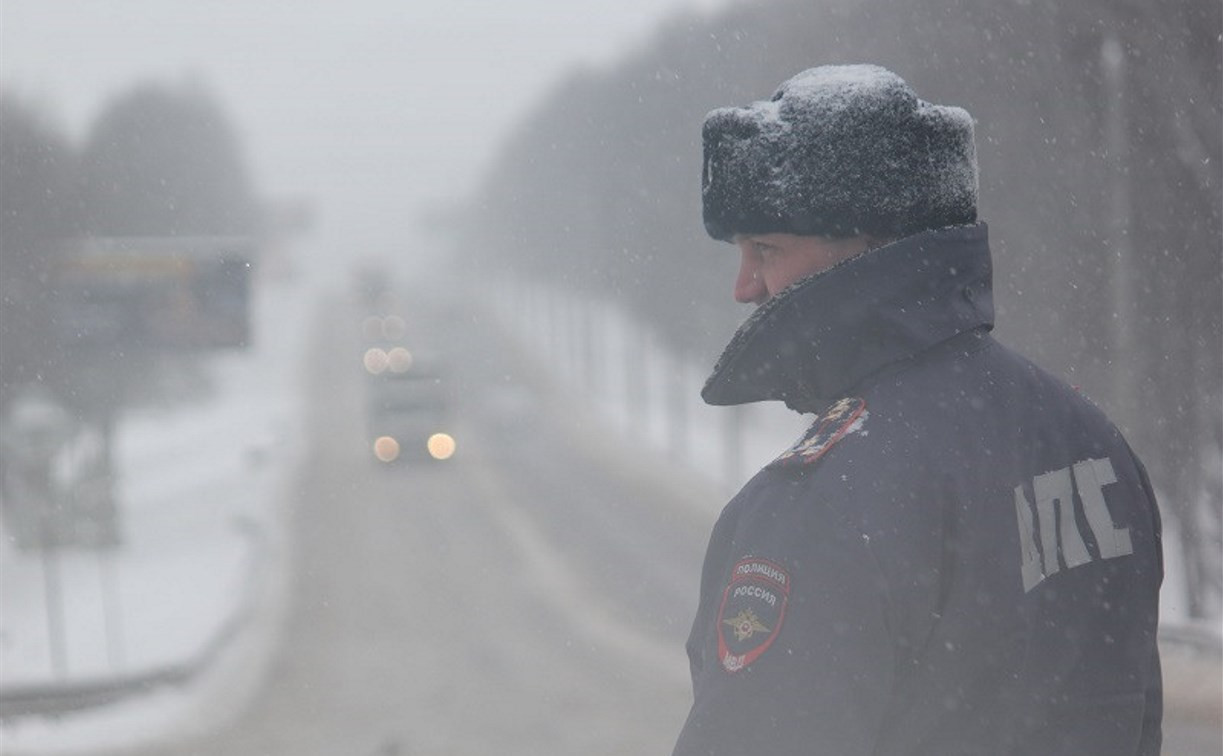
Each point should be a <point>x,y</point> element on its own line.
<point>771,262</point>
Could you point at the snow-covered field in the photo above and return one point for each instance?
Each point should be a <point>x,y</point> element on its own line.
<point>202,487</point>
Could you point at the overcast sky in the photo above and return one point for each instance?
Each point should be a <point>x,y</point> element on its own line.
<point>371,107</point>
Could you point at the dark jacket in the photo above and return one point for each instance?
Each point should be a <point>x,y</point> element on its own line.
<point>961,556</point>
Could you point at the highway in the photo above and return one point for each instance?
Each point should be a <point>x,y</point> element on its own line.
<point>530,595</point>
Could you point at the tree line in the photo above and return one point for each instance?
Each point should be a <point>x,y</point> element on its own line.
<point>160,160</point>
<point>1099,143</point>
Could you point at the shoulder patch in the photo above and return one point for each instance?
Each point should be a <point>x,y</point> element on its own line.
<point>752,611</point>
<point>843,417</point>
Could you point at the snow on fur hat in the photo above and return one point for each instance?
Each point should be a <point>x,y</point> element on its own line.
<point>839,151</point>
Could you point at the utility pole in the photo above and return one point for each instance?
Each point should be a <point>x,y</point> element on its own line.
<point>1120,241</point>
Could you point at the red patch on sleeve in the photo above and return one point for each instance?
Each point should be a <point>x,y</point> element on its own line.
<point>752,611</point>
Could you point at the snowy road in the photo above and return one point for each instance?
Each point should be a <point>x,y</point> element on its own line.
<point>530,596</point>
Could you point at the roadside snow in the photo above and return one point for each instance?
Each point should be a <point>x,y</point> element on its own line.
<point>201,490</point>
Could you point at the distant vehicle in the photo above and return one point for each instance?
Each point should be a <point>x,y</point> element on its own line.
<point>407,406</point>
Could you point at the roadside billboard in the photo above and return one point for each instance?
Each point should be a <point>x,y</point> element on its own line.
<point>156,292</point>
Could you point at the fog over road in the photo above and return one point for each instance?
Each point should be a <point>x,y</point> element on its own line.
<point>529,596</point>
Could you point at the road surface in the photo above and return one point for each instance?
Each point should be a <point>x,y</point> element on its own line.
<point>529,596</point>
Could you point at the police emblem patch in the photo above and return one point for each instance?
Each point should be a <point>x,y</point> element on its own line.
<point>752,611</point>
<point>843,417</point>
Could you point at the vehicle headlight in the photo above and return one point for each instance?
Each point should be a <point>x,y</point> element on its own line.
<point>441,446</point>
<point>386,449</point>
<point>375,360</point>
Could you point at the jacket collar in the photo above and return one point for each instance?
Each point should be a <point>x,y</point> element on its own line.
<point>821,336</point>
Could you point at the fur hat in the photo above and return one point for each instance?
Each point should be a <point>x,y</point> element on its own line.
<point>839,151</point>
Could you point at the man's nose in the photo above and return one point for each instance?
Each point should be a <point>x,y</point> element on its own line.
<point>749,289</point>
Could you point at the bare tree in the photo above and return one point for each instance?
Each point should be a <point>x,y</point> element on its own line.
<point>37,211</point>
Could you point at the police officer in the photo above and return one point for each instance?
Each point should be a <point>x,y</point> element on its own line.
<point>961,555</point>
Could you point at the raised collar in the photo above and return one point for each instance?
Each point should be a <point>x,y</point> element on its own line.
<point>821,336</point>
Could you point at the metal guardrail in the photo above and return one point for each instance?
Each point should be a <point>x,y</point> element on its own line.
<point>58,698</point>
